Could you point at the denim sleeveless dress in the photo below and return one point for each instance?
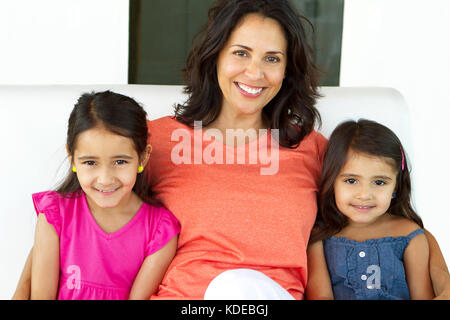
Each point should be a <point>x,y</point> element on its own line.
<point>368,270</point>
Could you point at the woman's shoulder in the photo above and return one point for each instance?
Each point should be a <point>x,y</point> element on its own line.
<point>162,129</point>
<point>313,146</point>
<point>315,140</point>
<point>164,122</point>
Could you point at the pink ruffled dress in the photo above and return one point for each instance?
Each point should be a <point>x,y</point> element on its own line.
<point>95,265</point>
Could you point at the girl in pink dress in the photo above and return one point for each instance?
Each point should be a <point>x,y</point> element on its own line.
<point>100,235</point>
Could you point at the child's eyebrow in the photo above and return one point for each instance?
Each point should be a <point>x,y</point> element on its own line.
<point>357,176</point>
<point>119,156</point>
<point>349,175</point>
<point>87,157</point>
<point>122,156</point>
<point>382,177</point>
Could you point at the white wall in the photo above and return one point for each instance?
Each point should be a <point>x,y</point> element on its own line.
<point>405,44</point>
<point>64,41</point>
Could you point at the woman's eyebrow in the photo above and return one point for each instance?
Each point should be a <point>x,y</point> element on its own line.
<point>250,49</point>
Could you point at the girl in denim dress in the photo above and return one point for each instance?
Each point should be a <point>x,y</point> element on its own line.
<point>368,242</point>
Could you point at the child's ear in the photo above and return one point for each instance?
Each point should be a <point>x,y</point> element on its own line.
<point>146,155</point>
<point>68,155</point>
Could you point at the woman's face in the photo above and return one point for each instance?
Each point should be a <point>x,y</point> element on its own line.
<point>251,65</point>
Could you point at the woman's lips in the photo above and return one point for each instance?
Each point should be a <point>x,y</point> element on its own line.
<point>249,91</point>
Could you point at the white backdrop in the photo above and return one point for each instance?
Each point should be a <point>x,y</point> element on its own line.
<point>405,44</point>
<point>64,41</point>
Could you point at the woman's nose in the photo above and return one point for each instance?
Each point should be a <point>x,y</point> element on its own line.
<point>254,71</point>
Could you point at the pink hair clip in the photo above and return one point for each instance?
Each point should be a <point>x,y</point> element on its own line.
<point>403,159</point>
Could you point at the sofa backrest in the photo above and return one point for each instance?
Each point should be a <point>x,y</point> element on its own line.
<point>33,124</point>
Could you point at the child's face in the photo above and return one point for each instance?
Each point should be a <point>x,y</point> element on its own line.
<point>107,166</point>
<point>364,187</point>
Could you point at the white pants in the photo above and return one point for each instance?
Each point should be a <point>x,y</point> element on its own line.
<point>245,284</point>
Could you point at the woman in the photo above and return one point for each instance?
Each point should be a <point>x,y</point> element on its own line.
<point>250,71</point>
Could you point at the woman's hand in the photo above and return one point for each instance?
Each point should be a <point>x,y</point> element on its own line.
<point>438,270</point>
<point>23,290</point>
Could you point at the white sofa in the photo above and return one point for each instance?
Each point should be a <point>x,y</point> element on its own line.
<point>33,123</point>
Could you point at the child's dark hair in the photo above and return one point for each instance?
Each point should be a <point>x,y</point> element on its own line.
<point>367,137</point>
<point>116,113</point>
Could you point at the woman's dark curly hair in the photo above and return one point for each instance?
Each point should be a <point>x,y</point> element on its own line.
<point>292,110</point>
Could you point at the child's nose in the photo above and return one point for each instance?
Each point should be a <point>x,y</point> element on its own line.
<point>105,177</point>
<point>364,192</point>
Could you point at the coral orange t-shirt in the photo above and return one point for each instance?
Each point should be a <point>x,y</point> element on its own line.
<point>231,215</point>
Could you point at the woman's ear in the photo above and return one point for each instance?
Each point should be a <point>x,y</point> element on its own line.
<point>146,155</point>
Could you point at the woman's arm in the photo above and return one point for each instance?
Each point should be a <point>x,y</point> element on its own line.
<point>438,269</point>
<point>319,283</point>
<point>417,272</point>
<point>152,271</point>
<point>23,289</point>
<point>45,267</point>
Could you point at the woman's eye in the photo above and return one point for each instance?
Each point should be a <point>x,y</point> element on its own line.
<point>350,181</point>
<point>89,163</point>
<point>379,182</point>
<point>240,53</point>
<point>272,59</point>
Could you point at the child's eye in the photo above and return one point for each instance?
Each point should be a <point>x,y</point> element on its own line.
<point>272,59</point>
<point>379,182</point>
<point>120,162</point>
<point>89,163</point>
<point>351,181</point>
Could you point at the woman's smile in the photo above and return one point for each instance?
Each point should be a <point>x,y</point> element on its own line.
<point>249,91</point>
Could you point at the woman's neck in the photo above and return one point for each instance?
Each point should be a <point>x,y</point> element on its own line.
<point>241,129</point>
<point>228,120</point>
